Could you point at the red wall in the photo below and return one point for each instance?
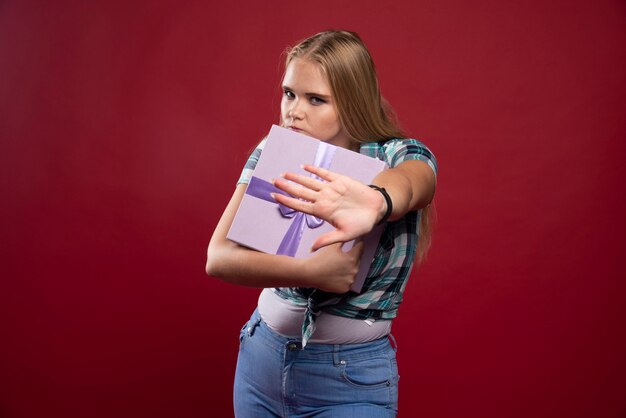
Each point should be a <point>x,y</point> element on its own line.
<point>124,126</point>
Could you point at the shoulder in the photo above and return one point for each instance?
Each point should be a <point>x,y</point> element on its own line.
<point>246,173</point>
<point>254,156</point>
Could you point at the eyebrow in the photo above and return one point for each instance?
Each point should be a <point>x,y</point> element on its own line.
<point>310,94</point>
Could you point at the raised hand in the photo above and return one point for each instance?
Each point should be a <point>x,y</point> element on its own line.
<point>350,206</point>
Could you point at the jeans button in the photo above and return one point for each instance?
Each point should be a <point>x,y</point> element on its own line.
<point>292,346</point>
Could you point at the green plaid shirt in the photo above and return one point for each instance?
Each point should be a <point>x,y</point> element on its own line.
<point>386,280</point>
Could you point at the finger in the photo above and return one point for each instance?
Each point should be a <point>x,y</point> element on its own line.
<point>295,190</point>
<point>293,203</point>
<point>328,238</point>
<point>306,181</point>
<point>321,172</point>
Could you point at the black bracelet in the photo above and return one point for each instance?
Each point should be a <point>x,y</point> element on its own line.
<point>387,199</point>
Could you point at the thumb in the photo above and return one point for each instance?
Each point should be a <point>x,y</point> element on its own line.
<point>328,238</point>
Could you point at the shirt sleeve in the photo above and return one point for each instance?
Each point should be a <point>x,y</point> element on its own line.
<point>397,151</point>
<point>248,169</point>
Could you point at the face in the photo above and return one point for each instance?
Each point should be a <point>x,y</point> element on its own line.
<point>308,106</point>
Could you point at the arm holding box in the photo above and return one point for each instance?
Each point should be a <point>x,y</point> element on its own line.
<point>331,270</point>
<point>332,188</point>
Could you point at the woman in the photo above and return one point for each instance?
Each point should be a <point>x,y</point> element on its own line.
<point>312,347</point>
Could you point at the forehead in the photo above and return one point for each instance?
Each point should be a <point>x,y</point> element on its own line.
<point>306,75</point>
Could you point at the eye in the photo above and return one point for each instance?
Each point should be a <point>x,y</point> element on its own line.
<point>289,94</point>
<point>316,101</point>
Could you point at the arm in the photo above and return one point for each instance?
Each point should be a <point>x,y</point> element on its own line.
<point>353,207</point>
<point>331,270</point>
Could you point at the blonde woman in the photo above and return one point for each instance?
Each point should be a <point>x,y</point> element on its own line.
<point>312,347</point>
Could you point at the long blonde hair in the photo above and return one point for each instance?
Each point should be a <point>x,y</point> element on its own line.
<point>363,112</point>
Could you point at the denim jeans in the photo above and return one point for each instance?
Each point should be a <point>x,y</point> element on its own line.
<point>276,377</point>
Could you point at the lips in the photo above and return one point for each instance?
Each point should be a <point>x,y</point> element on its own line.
<point>293,128</point>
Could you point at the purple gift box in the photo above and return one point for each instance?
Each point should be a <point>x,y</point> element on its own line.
<point>263,225</point>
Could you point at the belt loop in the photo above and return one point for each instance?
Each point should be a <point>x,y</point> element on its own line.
<point>392,340</point>
<point>336,354</point>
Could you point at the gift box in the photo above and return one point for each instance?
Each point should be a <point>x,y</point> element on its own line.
<point>264,225</point>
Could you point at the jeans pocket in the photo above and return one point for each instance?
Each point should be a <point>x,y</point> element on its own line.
<point>368,373</point>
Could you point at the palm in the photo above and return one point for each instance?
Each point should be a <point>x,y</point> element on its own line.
<point>347,204</point>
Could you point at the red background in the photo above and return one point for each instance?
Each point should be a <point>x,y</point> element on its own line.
<point>124,126</point>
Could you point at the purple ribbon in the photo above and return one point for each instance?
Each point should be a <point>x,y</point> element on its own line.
<point>262,189</point>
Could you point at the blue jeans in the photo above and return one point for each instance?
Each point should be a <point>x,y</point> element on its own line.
<point>275,377</point>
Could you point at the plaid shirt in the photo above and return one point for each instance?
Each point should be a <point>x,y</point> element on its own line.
<point>388,274</point>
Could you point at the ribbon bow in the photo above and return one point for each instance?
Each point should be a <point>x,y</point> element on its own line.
<point>263,189</point>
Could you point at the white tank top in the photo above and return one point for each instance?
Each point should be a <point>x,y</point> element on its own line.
<point>285,318</point>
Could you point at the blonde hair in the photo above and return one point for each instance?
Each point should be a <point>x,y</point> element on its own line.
<point>349,68</point>
<point>367,117</point>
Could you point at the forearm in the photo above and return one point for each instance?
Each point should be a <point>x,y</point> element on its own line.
<point>239,265</point>
<point>411,186</point>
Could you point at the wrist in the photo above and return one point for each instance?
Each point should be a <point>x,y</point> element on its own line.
<point>387,208</point>
<point>308,276</point>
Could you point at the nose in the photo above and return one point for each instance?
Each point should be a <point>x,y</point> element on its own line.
<point>295,111</point>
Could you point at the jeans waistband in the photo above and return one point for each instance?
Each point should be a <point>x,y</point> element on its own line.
<point>256,328</point>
